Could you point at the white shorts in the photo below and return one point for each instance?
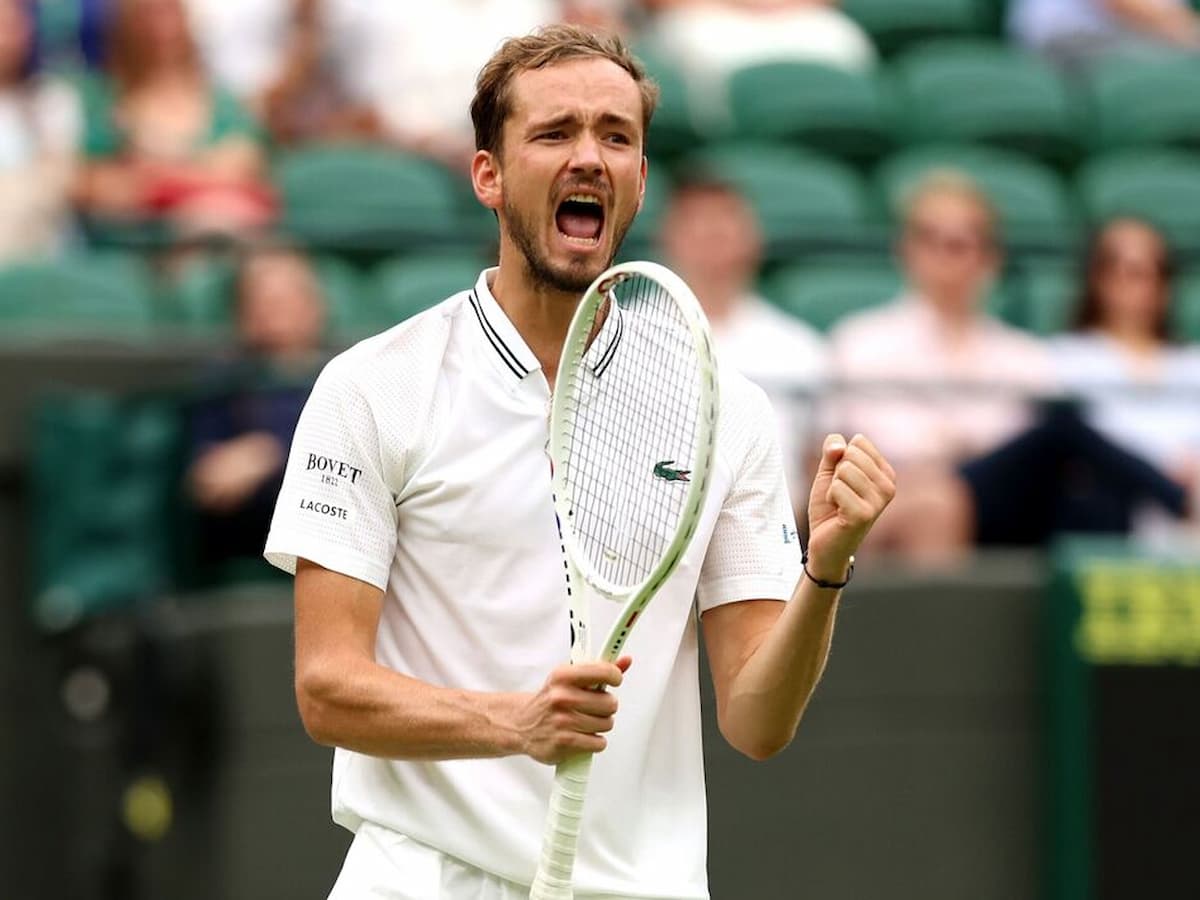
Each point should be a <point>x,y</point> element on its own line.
<point>384,865</point>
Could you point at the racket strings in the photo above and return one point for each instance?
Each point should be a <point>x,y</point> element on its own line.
<point>631,440</point>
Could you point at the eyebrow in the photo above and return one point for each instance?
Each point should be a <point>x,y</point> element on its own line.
<point>570,118</point>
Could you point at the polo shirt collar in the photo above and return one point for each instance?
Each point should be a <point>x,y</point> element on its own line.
<point>506,342</point>
<point>499,330</point>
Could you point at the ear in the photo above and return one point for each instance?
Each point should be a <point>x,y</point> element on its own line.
<point>642,183</point>
<point>486,179</point>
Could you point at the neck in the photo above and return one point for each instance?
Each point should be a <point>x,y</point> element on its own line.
<point>1133,339</point>
<point>954,313</point>
<point>540,313</point>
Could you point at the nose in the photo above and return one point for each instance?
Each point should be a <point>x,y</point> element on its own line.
<point>586,158</point>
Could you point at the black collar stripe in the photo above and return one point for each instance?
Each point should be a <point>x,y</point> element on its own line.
<point>506,355</point>
<point>611,351</point>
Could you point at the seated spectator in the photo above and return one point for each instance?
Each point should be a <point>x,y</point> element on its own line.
<point>944,380</point>
<point>415,64</point>
<point>1140,390</point>
<point>1126,461</point>
<point>307,98</point>
<point>39,128</point>
<point>160,141</point>
<point>1075,32</point>
<point>242,428</point>
<point>710,39</point>
<point>243,44</point>
<point>711,238</point>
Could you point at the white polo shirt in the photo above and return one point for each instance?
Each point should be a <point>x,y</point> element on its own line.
<point>419,466</point>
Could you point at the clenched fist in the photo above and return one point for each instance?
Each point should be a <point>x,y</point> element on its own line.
<point>853,486</point>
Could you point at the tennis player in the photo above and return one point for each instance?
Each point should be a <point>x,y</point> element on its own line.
<point>416,513</point>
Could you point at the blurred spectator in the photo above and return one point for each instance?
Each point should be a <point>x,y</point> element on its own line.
<point>241,430</point>
<point>710,39</point>
<point>307,99</point>
<point>964,377</point>
<point>1140,390</point>
<point>39,128</point>
<point>242,42</point>
<point>711,238</point>
<point>160,140</point>
<point>415,64</point>
<point>1074,32</point>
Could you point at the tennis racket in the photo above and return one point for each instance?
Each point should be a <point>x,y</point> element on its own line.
<point>632,429</point>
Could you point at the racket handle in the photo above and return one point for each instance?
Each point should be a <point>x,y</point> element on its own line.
<point>553,879</point>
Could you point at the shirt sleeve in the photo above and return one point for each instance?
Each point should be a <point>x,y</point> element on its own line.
<point>336,507</point>
<point>754,552</point>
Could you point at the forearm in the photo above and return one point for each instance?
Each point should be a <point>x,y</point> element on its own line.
<point>360,705</point>
<point>769,693</point>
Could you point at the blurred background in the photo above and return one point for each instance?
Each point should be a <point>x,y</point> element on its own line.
<point>967,228</point>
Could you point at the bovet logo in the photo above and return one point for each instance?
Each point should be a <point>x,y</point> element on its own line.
<point>328,466</point>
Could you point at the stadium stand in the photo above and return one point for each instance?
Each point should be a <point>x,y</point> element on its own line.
<point>106,295</point>
<point>1161,185</point>
<point>1139,102</point>
<point>895,26</point>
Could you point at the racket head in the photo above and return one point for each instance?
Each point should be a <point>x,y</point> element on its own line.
<point>632,433</point>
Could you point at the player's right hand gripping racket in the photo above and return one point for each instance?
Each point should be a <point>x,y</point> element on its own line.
<point>632,429</point>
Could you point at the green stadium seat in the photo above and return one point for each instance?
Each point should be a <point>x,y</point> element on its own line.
<point>823,291</point>
<point>985,92</point>
<point>675,128</point>
<point>101,535</point>
<point>1159,185</point>
<point>642,239</point>
<point>404,286</point>
<point>800,198</point>
<point>340,196</point>
<point>106,295</point>
<point>827,109</point>
<point>1044,292</point>
<point>1185,309</point>
<point>897,24</point>
<point>1036,207</point>
<point>1139,102</point>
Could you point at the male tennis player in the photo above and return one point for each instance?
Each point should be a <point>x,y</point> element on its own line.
<point>431,623</point>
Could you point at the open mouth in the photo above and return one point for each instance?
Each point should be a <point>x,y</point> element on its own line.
<point>580,219</point>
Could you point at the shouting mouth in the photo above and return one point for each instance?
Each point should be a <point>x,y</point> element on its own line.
<point>580,219</point>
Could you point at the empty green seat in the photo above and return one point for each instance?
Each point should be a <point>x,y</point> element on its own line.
<point>101,518</point>
<point>1138,102</point>
<point>827,109</point>
<point>896,24</point>
<point>1044,295</point>
<point>1035,206</point>
<point>800,198</point>
<point>404,286</point>
<point>105,295</point>
<point>1185,309</point>
<point>822,292</point>
<point>1161,186</point>
<point>355,197</point>
<point>674,128</point>
<point>987,92</point>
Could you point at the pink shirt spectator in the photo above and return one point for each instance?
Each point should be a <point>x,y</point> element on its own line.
<point>905,344</point>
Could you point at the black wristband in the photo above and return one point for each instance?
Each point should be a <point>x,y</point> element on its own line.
<point>820,582</point>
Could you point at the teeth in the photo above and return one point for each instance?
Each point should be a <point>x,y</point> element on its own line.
<point>584,198</point>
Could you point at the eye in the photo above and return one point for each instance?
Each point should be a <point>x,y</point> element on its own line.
<point>618,138</point>
<point>555,135</point>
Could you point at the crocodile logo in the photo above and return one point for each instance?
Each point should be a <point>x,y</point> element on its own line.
<point>664,471</point>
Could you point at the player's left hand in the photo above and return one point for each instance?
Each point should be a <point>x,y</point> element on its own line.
<point>853,486</point>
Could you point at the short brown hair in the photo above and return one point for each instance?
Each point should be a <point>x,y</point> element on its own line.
<point>955,183</point>
<point>544,47</point>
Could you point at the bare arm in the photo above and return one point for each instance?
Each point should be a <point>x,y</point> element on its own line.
<point>349,700</point>
<point>1175,24</point>
<point>766,657</point>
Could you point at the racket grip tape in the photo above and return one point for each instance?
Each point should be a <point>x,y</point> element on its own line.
<point>553,879</point>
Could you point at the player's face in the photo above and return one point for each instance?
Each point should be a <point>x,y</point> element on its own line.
<point>571,169</point>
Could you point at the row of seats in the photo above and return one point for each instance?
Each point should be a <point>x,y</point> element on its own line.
<point>343,198</point>
<point>113,297</point>
<point>945,90</point>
